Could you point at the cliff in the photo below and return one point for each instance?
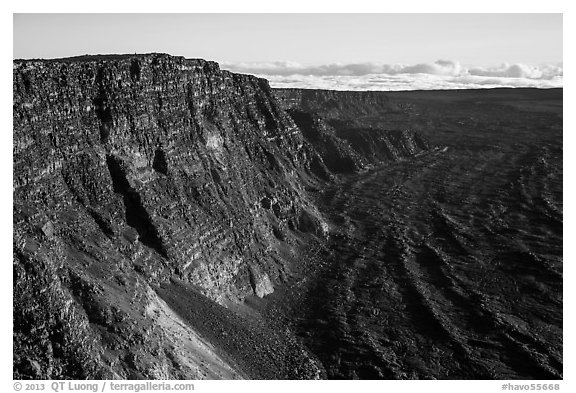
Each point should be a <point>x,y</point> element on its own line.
<point>130,172</point>
<point>344,127</point>
<point>152,193</point>
<point>334,104</point>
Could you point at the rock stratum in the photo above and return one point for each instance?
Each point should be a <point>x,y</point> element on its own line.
<point>154,196</point>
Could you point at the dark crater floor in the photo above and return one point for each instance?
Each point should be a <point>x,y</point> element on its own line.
<point>447,265</point>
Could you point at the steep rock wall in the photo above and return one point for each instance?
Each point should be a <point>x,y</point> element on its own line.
<point>152,191</point>
<point>343,126</point>
<point>129,172</point>
<point>332,104</point>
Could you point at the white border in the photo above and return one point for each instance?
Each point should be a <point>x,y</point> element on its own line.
<point>421,6</point>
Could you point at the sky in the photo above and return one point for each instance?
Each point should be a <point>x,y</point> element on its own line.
<point>339,51</point>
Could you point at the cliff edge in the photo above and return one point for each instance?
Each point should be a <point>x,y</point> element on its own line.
<point>134,175</point>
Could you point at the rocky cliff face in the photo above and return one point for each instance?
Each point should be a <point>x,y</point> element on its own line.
<point>334,105</point>
<point>341,126</point>
<point>149,193</point>
<point>129,172</point>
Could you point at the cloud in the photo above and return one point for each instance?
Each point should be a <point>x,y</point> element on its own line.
<point>519,71</point>
<point>440,67</point>
<point>441,74</point>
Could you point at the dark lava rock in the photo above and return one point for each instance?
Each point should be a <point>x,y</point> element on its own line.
<point>441,264</point>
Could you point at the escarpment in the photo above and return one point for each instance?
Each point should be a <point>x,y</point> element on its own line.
<point>343,127</point>
<point>129,172</point>
<point>150,192</point>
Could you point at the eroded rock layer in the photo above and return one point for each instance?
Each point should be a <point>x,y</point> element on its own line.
<point>131,171</point>
<point>330,121</point>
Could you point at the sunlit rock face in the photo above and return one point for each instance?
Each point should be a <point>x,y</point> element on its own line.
<point>130,172</point>
<point>152,195</point>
